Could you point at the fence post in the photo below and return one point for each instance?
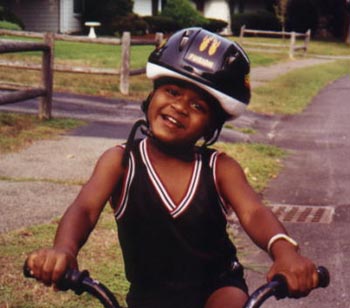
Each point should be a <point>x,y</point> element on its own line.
<point>307,40</point>
<point>292,45</point>
<point>159,38</point>
<point>241,34</point>
<point>125,64</point>
<point>45,105</point>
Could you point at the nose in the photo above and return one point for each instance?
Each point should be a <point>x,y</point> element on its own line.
<point>180,105</point>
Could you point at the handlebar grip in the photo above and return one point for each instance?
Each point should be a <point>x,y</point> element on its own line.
<point>26,271</point>
<point>72,279</point>
<point>323,277</point>
<point>282,288</point>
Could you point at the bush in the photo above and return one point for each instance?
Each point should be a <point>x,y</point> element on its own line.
<point>132,23</point>
<point>163,24</point>
<point>184,13</point>
<point>215,25</point>
<point>7,15</point>
<point>261,20</point>
<point>9,25</point>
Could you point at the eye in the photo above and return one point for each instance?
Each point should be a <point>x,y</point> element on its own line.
<point>200,106</point>
<point>173,91</point>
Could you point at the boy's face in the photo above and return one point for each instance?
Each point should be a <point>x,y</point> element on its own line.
<point>178,115</point>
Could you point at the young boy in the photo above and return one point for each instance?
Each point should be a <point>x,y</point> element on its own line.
<point>170,193</point>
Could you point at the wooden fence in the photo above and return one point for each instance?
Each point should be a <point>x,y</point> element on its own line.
<point>293,37</point>
<point>45,91</point>
<point>124,71</point>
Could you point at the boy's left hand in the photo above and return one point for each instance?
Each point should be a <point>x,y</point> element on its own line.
<point>300,273</point>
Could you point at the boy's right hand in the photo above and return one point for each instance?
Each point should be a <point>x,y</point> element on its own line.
<point>49,265</point>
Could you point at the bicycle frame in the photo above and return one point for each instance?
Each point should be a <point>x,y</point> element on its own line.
<point>81,282</point>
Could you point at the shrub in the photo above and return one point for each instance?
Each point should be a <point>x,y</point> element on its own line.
<point>260,20</point>
<point>9,25</point>
<point>215,25</point>
<point>132,23</point>
<point>163,24</point>
<point>184,13</point>
<point>7,15</point>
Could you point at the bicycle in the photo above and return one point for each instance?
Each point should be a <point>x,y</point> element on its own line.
<point>80,282</point>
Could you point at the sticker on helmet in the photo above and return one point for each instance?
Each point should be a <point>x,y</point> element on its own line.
<point>210,41</point>
<point>200,60</point>
<point>206,49</point>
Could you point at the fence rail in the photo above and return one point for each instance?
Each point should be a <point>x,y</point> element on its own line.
<point>293,37</point>
<point>45,91</point>
<point>125,42</point>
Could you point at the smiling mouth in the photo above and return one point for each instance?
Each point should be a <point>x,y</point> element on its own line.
<point>173,121</point>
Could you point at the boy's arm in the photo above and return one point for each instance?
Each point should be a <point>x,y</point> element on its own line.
<point>262,225</point>
<point>48,265</point>
<point>82,215</point>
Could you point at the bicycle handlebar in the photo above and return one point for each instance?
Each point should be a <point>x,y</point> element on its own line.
<point>278,288</point>
<point>80,282</point>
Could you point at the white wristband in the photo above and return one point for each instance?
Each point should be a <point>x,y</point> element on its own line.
<point>280,236</point>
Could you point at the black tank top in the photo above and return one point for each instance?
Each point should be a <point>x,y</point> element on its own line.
<point>165,243</point>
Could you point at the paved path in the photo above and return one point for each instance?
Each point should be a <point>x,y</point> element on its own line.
<point>317,175</point>
<point>31,191</point>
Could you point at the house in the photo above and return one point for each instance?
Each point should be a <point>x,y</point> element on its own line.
<point>217,9</point>
<point>59,16</point>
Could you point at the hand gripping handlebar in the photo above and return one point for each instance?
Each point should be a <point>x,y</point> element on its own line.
<point>81,282</point>
<point>278,288</point>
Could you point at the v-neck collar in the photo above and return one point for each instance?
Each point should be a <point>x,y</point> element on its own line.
<point>173,208</point>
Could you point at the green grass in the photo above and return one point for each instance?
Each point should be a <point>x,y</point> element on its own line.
<point>19,130</point>
<point>260,162</point>
<point>296,88</point>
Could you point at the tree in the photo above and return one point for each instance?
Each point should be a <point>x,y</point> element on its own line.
<point>183,13</point>
<point>280,8</point>
<point>302,15</point>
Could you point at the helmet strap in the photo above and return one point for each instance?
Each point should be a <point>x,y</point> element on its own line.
<point>144,128</point>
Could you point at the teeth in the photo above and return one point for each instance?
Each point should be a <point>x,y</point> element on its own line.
<point>174,121</point>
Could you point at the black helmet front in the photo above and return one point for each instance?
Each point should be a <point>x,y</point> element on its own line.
<point>215,64</point>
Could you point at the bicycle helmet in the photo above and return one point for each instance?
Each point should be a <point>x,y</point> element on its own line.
<point>215,64</point>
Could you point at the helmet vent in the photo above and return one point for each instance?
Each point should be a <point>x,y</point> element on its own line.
<point>188,68</point>
<point>184,40</point>
<point>233,58</point>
